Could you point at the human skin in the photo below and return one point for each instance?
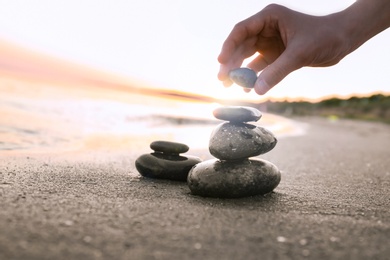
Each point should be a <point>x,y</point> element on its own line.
<point>285,40</point>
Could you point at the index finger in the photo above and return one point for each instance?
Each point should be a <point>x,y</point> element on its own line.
<point>241,31</point>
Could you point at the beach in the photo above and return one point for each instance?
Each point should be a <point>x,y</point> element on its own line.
<point>69,189</point>
<point>332,203</point>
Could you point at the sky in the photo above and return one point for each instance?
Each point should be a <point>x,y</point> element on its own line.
<point>174,44</point>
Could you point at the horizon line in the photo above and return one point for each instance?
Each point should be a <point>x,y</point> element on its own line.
<point>35,65</point>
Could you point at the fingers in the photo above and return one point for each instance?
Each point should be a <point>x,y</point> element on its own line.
<point>223,74</point>
<point>247,29</point>
<point>271,74</point>
<point>245,40</point>
<point>239,45</point>
<point>258,64</point>
<point>245,50</point>
<point>276,72</point>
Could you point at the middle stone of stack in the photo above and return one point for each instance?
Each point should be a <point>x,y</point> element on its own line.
<point>236,139</point>
<point>233,142</point>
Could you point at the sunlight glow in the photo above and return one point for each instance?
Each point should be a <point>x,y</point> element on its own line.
<point>169,46</point>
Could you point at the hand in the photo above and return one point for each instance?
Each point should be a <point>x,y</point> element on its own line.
<point>286,40</point>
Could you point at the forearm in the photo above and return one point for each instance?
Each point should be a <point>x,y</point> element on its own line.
<point>365,19</point>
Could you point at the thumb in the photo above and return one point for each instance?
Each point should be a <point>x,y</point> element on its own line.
<point>276,72</point>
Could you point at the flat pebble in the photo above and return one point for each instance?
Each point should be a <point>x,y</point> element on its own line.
<point>231,141</point>
<point>169,147</point>
<point>233,179</point>
<point>243,77</point>
<point>237,114</point>
<point>165,166</point>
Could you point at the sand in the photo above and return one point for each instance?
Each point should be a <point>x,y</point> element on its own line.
<point>332,203</point>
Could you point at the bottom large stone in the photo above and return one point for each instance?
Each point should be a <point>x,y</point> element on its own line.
<point>233,179</point>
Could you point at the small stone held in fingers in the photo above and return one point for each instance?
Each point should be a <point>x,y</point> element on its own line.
<point>243,77</point>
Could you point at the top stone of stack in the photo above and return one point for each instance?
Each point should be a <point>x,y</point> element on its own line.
<point>169,147</point>
<point>236,114</point>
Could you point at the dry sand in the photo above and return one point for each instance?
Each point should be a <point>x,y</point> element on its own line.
<point>332,203</point>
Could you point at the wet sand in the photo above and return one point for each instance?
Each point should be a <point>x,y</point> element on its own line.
<point>332,203</point>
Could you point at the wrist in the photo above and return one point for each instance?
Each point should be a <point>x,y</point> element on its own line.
<point>363,20</point>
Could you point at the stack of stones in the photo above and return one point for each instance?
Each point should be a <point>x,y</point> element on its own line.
<point>234,174</point>
<point>166,162</point>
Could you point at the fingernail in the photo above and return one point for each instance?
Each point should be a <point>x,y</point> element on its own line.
<point>261,87</point>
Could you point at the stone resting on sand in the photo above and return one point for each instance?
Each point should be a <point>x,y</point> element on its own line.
<point>166,162</point>
<point>233,174</point>
<point>233,142</point>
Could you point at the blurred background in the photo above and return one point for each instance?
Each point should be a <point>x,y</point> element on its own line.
<point>103,67</point>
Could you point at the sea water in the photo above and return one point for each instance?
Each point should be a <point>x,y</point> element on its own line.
<point>47,117</point>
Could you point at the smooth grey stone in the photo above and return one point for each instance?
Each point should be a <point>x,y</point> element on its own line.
<point>169,147</point>
<point>165,166</point>
<point>232,141</point>
<point>233,179</point>
<point>243,77</point>
<point>237,114</point>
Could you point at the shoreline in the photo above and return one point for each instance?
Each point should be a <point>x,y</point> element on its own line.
<point>332,203</point>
